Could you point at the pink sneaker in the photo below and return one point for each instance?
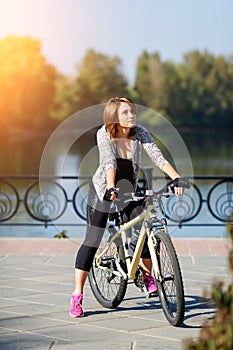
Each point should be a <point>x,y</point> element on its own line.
<point>76,305</point>
<point>150,284</point>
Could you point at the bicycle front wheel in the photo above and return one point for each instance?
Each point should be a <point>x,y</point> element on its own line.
<point>170,286</point>
<point>108,288</point>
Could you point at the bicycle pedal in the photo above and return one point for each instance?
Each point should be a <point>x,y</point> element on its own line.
<point>153,295</point>
<point>146,292</point>
<point>149,295</point>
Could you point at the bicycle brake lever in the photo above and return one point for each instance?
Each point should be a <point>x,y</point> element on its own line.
<point>134,199</point>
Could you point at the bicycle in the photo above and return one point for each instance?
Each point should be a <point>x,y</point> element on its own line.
<point>113,268</point>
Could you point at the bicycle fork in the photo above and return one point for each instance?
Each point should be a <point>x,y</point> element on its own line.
<point>152,245</point>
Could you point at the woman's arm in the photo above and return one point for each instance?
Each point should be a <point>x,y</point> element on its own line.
<point>107,162</point>
<point>170,171</point>
<point>106,150</point>
<point>157,157</point>
<point>107,159</point>
<point>151,147</point>
<point>110,179</point>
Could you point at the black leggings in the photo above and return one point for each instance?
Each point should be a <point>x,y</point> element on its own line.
<point>97,216</point>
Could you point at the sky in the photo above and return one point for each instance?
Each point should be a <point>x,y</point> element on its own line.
<point>123,28</point>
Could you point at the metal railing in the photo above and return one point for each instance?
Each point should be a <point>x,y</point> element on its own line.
<point>43,201</point>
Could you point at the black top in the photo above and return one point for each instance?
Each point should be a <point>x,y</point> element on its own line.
<point>125,175</point>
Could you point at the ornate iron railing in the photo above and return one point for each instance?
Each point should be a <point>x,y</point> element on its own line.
<point>47,199</point>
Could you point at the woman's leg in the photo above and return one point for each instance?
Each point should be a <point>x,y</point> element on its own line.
<point>131,212</point>
<point>146,265</point>
<point>97,215</point>
<point>97,218</point>
<point>80,279</point>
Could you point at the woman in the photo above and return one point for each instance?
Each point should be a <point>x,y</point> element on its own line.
<point>119,142</point>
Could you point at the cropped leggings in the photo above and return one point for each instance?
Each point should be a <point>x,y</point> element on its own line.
<point>97,216</point>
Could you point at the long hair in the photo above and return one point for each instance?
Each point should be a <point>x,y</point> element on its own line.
<point>111,115</point>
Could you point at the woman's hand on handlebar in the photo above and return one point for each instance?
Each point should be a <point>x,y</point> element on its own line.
<point>179,184</point>
<point>179,191</point>
<point>111,194</point>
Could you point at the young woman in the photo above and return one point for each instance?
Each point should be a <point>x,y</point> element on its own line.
<point>119,141</point>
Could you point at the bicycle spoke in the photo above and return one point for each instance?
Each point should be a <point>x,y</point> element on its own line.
<point>108,288</point>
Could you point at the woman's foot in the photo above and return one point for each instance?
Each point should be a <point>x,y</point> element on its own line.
<point>150,284</point>
<point>76,305</point>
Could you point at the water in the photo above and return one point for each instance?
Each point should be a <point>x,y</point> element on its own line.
<point>211,154</point>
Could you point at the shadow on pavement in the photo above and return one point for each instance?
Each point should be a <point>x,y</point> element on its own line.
<point>194,302</point>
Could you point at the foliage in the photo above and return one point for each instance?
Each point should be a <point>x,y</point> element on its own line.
<point>197,92</point>
<point>150,81</point>
<point>26,84</point>
<point>65,95</point>
<point>217,333</point>
<point>99,77</point>
<point>210,81</point>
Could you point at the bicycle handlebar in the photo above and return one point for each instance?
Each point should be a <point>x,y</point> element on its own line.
<point>166,191</point>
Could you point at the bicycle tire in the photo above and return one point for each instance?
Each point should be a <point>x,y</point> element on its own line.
<point>170,287</point>
<point>108,289</point>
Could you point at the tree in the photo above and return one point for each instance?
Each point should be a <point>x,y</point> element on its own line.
<point>99,77</point>
<point>150,81</point>
<point>65,103</point>
<point>197,92</point>
<point>26,84</point>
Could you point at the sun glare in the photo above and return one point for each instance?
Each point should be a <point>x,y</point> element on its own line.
<point>24,17</point>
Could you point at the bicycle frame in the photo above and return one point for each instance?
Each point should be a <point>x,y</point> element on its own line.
<point>113,268</point>
<point>145,218</point>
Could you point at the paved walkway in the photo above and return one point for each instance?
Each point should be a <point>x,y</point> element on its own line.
<point>37,281</point>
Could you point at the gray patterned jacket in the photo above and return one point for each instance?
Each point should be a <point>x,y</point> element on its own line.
<point>107,155</point>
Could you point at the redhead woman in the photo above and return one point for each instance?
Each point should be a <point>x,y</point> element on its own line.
<point>120,141</point>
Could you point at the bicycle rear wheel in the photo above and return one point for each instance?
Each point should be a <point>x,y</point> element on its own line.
<point>170,287</point>
<point>108,288</point>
